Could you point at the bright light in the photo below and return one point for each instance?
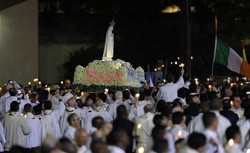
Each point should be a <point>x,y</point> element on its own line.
<point>178,58</point>
<point>179,134</point>
<point>162,65</point>
<point>155,69</point>
<point>35,80</point>
<point>192,57</point>
<point>138,126</point>
<point>171,9</point>
<point>248,151</point>
<point>141,149</point>
<point>231,142</point>
<point>29,83</point>
<point>61,82</point>
<point>175,63</point>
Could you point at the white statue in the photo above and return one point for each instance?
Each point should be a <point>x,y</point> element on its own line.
<point>109,43</point>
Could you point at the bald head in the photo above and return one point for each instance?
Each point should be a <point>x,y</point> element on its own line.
<point>118,95</point>
<point>81,137</point>
<point>71,102</point>
<point>148,108</point>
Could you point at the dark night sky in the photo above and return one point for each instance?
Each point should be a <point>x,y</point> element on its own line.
<point>143,34</point>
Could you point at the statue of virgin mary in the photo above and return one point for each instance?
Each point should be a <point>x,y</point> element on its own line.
<point>108,52</point>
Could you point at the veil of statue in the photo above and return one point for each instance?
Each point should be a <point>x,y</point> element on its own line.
<point>109,43</point>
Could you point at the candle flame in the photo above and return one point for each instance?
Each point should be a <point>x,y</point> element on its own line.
<point>141,149</point>
<point>231,142</point>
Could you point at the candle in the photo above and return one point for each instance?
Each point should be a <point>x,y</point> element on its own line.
<point>210,87</point>
<point>248,151</point>
<point>231,142</point>
<point>241,84</point>
<point>179,134</point>
<point>178,58</point>
<point>35,80</point>
<point>155,69</point>
<point>39,82</point>
<point>61,82</point>
<point>48,89</point>
<point>46,86</point>
<point>82,93</point>
<point>231,84</point>
<point>162,65</point>
<point>141,149</point>
<point>182,65</point>
<point>208,79</point>
<point>171,63</point>
<point>164,80</point>
<point>106,90</point>
<point>138,126</point>
<point>137,95</point>
<point>175,62</point>
<point>192,57</point>
<point>29,83</point>
<point>231,102</point>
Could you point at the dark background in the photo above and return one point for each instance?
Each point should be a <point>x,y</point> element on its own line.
<point>143,34</point>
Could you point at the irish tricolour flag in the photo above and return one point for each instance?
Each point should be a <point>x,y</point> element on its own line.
<point>226,56</point>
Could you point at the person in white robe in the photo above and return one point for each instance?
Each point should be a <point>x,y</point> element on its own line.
<point>108,52</point>
<point>245,129</point>
<point>50,120</point>
<point>81,140</point>
<point>197,125</point>
<point>169,91</point>
<point>144,125</point>
<point>56,97</point>
<point>213,144</point>
<point>112,107</point>
<point>233,135</point>
<point>237,106</point>
<point>8,100</point>
<point>71,108</point>
<point>34,138</point>
<point>67,96</point>
<point>2,137</point>
<point>15,127</point>
<point>74,124</point>
<point>34,99</point>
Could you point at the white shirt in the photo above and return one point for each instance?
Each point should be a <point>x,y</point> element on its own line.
<point>34,138</point>
<point>55,102</point>
<point>175,130</point>
<point>187,149</point>
<point>105,115</point>
<point>139,110</point>
<point>244,129</point>
<point>169,91</point>
<point>239,112</point>
<point>147,125</point>
<point>7,101</point>
<point>2,137</point>
<point>115,149</point>
<point>236,148</point>
<point>70,133</point>
<point>196,124</point>
<point>7,94</point>
<point>209,148</point>
<point>83,149</point>
<point>86,118</point>
<point>50,122</point>
<point>112,107</point>
<point>15,127</point>
<point>63,121</point>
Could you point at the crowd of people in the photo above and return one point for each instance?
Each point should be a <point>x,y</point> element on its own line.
<point>181,116</point>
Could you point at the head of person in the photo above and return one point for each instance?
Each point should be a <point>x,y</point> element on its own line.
<point>38,109</point>
<point>170,78</point>
<point>67,146</point>
<point>149,108</point>
<point>98,103</point>
<point>204,106</point>
<point>81,137</point>
<point>159,133</point>
<point>118,95</point>
<point>102,96</point>
<point>233,132</point>
<point>27,108</point>
<point>98,146</point>
<point>142,96</point>
<point>179,118</point>
<point>215,104</point>
<point>161,146</point>
<point>47,105</point>
<point>197,141</point>
<point>226,104</point>
<point>34,97</point>
<point>14,106</point>
<point>163,108</point>
<point>122,111</point>
<point>236,101</point>
<point>89,101</point>
<point>74,120</point>
<point>126,94</point>
<point>97,122</point>
<point>106,128</point>
<point>227,91</point>
<point>71,102</point>
<point>210,121</point>
<point>118,137</point>
<point>177,105</point>
<point>13,92</point>
<point>160,120</point>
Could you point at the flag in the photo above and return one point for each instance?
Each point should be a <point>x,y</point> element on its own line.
<point>245,67</point>
<point>226,56</point>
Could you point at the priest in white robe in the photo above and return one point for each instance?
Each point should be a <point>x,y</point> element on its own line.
<point>15,127</point>
<point>169,91</point>
<point>8,100</point>
<point>74,124</point>
<point>34,138</point>
<point>2,137</point>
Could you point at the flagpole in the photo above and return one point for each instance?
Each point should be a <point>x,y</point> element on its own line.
<point>215,44</point>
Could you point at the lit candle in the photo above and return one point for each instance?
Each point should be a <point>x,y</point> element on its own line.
<point>82,93</point>
<point>138,126</point>
<point>231,84</point>
<point>231,142</point>
<point>61,82</point>
<point>241,84</point>
<point>164,80</point>
<point>162,65</point>
<point>244,78</point>
<point>46,86</point>
<point>179,134</point>
<point>155,69</point>
<point>192,57</point>
<point>210,87</point>
<point>137,95</point>
<point>29,83</point>
<point>106,90</point>
<point>208,79</point>
<point>178,58</point>
<point>248,151</point>
<point>141,149</point>
<point>182,65</point>
<point>35,80</point>
<point>231,102</point>
<point>171,63</point>
<point>175,62</point>
<point>29,92</point>
<point>39,82</point>
<point>49,90</point>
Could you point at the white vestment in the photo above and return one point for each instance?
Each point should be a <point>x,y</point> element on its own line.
<point>83,149</point>
<point>86,118</point>
<point>34,138</point>
<point>175,130</point>
<point>139,110</point>
<point>15,127</point>
<point>63,121</point>
<point>7,94</point>
<point>239,112</point>
<point>112,107</point>
<point>115,149</point>
<point>210,148</point>
<point>70,133</point>
<point>187,149</point>
<point>169,91</point>
<point>105,115</point>
<point>2,137</point>
<point>109,44</point>
<point>245,132</point>
<point>55,102</point>
<point>7,101</point>
<point>147,125</point>
<point>66,97</point>
<point>50,122</point>
<point>235,148</point>
<point>196,124</point>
